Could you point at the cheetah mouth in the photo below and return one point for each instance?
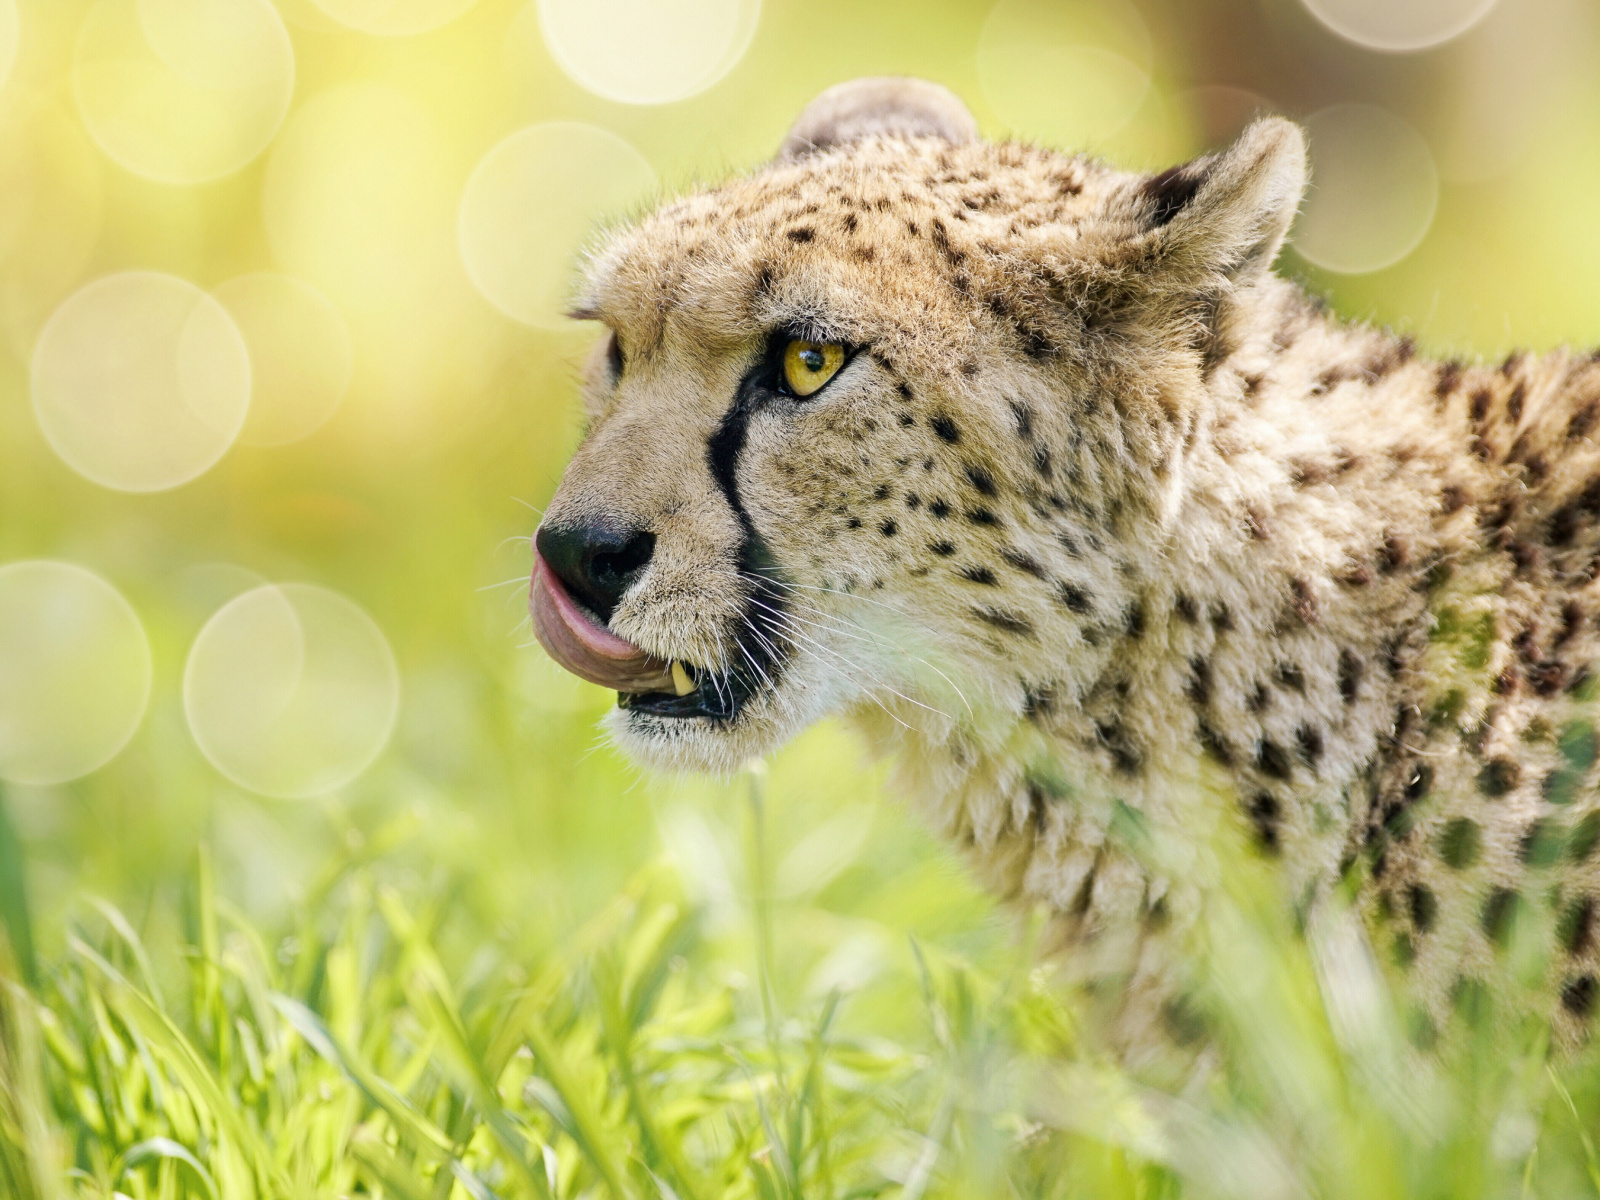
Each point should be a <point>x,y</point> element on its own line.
<point>580,643</point>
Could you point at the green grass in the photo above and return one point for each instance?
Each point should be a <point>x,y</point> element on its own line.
<point>364,1048</point>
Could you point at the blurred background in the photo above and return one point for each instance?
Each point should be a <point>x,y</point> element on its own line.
<point>284,382</point>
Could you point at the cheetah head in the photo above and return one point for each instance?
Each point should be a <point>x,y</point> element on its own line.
<point>867,426</point>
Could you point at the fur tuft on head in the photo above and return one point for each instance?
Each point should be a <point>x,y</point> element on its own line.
<point>888,105</point>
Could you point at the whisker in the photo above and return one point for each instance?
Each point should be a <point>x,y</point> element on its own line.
<point>489,587</point>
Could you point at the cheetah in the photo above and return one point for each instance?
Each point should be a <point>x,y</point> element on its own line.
<point>1032,469</point>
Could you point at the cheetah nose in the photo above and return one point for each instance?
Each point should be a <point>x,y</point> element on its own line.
<point>597,561</point>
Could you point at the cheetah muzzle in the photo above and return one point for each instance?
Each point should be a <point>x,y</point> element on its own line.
<point>1035,471</point>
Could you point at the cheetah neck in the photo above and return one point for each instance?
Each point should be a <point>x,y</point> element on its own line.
<point>1269,637</point>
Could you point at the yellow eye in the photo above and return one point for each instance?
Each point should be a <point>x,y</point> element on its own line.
<point>809,365</point>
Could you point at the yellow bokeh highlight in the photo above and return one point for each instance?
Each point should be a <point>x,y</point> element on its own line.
<point>1374,189</point>
<point>1399,27</point>
<point>291,690</point>
<point>647,51</point>
<point>530,205</point>
<point>300,355</point>
<point>74,672</point>
<point>394,18</point>
<point>141,381</point>
<point>183,91</point>
<point>1074,73</point>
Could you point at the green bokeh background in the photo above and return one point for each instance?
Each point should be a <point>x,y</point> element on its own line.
<point>416,499</point>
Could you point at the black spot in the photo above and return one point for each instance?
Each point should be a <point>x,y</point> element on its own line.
<point>1498,776</point>
<point>1291,676</point>
<point>803,234</point>
<point>1424,906</point>
<point>1038,702</point>
<point>1541,843</point>
<point>1577,997</point>
<point>1350,671</point>
<point>1199,685</point>
<point>1135,620</point>
<point>1009,622</point>
<point>1498,912</point>
<point>1186,608</point>
<point>913,500</point>
<point>981,575</point>
<point>1585,835</point>
<point>1124,756</point>
<point>1183,1021</point>
<point>1024,419</point>
<point>1309,739</point>
<point>939,509</point>
<point>1419,782</point>
<point>888,529</point>
<point>854,522</point>
<point>945,428</point>
<point>907,420</point>
<point>1211,742</point>
<point>1221,618</point>
<point>1576,925</point>
<point>1074,597</point>
<point>1041,460</point>
<point>982,516</point>
<point>942,549</point>
<point>1272,760</point>
<point>1024,562</point>
<point>881,492</point>
<point>981,479</point>
<point>850,222</point>
<point>1265,812</point>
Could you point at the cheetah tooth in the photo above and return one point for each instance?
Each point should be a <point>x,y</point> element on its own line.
<point>681,681</point>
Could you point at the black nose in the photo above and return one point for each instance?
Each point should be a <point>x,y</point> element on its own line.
<point>598,561</point>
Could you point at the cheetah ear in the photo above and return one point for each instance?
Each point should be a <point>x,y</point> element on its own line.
<point>892,105</point>
<point>1228,213</point>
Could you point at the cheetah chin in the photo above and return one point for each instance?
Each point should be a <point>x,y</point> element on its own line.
<point>1112,539</point>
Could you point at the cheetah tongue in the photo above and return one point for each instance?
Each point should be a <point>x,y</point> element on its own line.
<point>589,650</point>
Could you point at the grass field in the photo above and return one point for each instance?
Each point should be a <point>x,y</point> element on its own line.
<point>498,961</point>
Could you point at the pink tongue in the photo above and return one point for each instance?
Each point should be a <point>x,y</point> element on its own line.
<point>588,650</point>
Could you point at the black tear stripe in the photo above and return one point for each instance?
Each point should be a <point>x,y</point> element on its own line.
<point>763,641</point>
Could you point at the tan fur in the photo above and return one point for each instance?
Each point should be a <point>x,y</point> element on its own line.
<point>1103,508</point>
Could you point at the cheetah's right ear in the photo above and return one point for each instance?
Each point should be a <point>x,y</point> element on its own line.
<point>1228,213</point>
<point>895,105</point>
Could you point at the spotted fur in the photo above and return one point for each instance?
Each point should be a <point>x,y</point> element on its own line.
<point>1105,530</point>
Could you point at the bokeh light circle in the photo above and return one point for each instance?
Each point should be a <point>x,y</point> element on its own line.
<point>394,18</point>
<point>300,355</point>
<point>1401,27</point>
<point>183,91</point>
<point>10,36</point>
<point>291,690</point>
<point>530,204</point>
<point>141,381</point>
<point>74,672</point>
<point>1074,72</point>
<point>1374,189</point>
<point>647,51</point>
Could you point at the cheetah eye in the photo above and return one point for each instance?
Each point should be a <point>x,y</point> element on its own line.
<point>807,366</point>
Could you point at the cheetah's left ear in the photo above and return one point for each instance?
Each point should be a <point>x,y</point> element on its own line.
<point>891,105</point>
<point>1228,213</point>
